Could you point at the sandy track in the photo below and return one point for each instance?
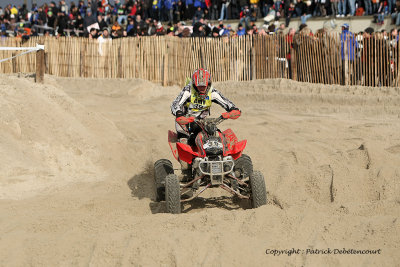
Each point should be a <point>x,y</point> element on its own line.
<point>77,189</point>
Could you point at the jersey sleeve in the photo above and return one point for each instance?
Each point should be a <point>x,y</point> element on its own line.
<point>179,103</point>
<point>218,98</point>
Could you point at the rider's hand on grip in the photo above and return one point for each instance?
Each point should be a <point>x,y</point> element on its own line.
<point>226,115</point>
<point>183,120</point>
<point>234,114</point>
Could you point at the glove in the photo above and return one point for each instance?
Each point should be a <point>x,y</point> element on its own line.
<point>234,114</point>
<point>183,120</point>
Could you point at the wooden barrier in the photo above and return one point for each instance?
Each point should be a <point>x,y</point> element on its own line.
<point>40,66</point>
<point>321,58</point>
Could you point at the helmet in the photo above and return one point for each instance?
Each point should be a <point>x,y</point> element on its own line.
<point>201,81</point>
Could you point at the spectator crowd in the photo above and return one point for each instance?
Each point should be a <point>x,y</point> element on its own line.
<point>119,18</point>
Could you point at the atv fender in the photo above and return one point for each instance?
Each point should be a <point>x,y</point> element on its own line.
<point>230,139</point>
<point>238,148</point>
<point>186,153</point>
<point>173,139</point>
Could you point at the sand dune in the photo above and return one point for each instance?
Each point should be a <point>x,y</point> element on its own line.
<point>77,189</point>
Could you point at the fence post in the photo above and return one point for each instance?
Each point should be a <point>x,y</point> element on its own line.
<point>346,58</point>
<point>293,65</point>
<point>119,68</point>
<point>253,59</point>
<point>40,65</point>
<point>165,72</point>
<point>14,63</point>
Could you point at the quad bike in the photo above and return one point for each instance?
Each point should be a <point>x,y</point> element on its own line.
<point>215,160</point>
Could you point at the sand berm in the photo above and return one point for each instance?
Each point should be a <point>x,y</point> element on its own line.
<point>76,184</point>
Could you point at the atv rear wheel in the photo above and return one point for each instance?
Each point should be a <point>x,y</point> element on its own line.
<point>173,194</point>
<point>258,190</point>
<point>243,167</point>
<point>162,168</point>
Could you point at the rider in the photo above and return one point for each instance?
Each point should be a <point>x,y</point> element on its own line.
<point>194,101</point>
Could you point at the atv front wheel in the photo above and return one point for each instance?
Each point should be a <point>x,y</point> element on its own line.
<point>243,167</point>
<point>162,168</point>
<point>173,194</point>
<point>258,190</point>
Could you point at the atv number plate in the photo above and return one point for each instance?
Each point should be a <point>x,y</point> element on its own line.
<point>216,167</point>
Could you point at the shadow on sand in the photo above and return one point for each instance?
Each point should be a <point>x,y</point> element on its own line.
<point>142,186</point>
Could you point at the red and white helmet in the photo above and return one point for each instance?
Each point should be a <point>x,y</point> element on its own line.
<point>201,80</point>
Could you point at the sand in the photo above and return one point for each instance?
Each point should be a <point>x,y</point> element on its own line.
<point>77,186</point>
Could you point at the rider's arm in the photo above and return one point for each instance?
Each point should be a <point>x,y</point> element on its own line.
<point>177,106</point>
<point>218,98</point>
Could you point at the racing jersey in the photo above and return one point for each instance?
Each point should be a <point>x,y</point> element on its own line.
<point>190,103</point>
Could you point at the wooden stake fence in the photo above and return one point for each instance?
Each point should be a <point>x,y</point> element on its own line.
<point>323,58</point>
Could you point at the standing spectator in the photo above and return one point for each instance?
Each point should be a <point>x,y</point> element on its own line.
<point>93,34</point>
<point>391,5</point>
<point>179,11</point>
<point>319,9</point>
<point>300,8</point>
<point>189,9</point>
<point>334,7</point>
<point>215,33</point>
<point>243,4</point>
<point>62,23</point>
<point>396,16</point>
<point>368,7</point>
<point>307,14</point>
<point>139,23</point>
<point>245,16</point>
<point>380,14</point>
<point>234,9</point>
<point>349,44</point>
<point>152,28</point>
<point>342,8</point>
<point>102,23</point>
<point>198,15</point>
<point>155,9</point>
<point>42,19</point>
<point>254,7</point>
<point>14,11</point>
<point>82,8</point>
<point>79,25</point>
<point>289,40</point>
<point>169,9</point>
<point>53,8</point>
<point>352,4</point>
<point>214,9</point>
<point>103,39</point>
<point>277,4</point>
<point>198,30</point>
<point>265,6</point>
<point>122,15</point>
<point>375,6</point>
<point>64,7</point>
<point>241,30</point>
<point>50,19</point>
<point>23,12</point>
<point>289,14</point>
<point>90,19</point>
<point>224,8</point>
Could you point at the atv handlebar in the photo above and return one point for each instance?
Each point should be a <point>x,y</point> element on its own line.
<point>234,114</point>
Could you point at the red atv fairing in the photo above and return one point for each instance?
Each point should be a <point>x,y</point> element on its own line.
<point>187,153</point>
